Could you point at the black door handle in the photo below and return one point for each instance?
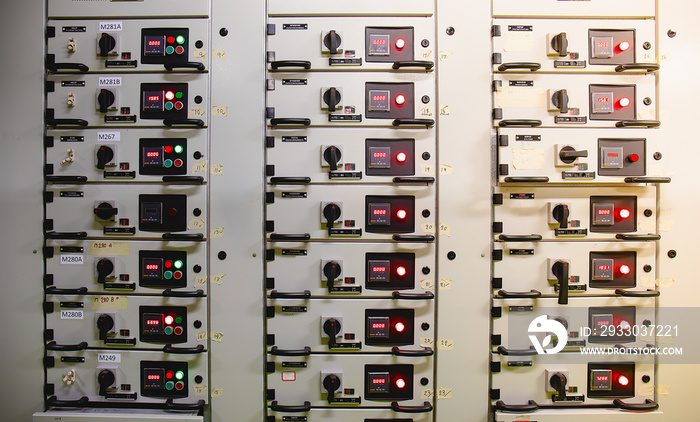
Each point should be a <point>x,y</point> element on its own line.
<point>276,351</point>
<point>561,272</point>
<point>637,293</point>
<point>642,179</point>
<point>638,123</point>
<point>520,237</point>
<point>649,67</point>
<point>520,123</point>
<point>187,65</point>
<point>424,408</point>
<point>413,296</point>
<point>425,351</point>
<point>54,401</point>
<point>66,179</point>
<point>519,66</point>
<point>289,237</point>
<point>56,67</point>
<point>306,294</point>
<point>53,290</point>
<point>52,345</point>
<point>168,348</point>
<point>290,408</point>
<point>183,122</point>
<point>178,293</point>
<point>413,122</point>
<point>169,404</point>
<point>290,121</point>
<point>526,179</point>
<point>66,235</point>
<point>279,64</point>
<point>196,237</point>
<point>290,180</point>
<point>516,352</point>
<point>532,294</point>
<point>412,179</point>
<point>184,179</point>
<point>637,237</point>
<point>427,65</point>
<point>413,238</point>
<point>66,122</point>
<point>647,406</point>
<point>531,406</point>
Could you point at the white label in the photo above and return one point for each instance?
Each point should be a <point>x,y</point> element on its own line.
<point>109,358</point>
<point>72,259</point>
<point>111,26</point>
<point>71,314</point>
<point>109,81</point>
<point>108,136</point>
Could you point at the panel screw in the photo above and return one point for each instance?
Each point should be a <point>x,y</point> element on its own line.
<point>223,32</point>
<point>199,44</point>
<point>426,213</point>
<point>197,324</point>
<point>647,101</point>
<point>198,379</point>
<point>424,381</point>
<point>647,268</point>
<point>425,326</point>
<point>425,99</point>
<point>646,379</point>
<point>672,253</point>
<point>425,43</point>
<point>657,156</point>
<point>451,255</point>
<point>197,212</point>
<point>222,255</point>
<point>671,33</point>
<point>198,99</point>
<point>648,212</point>
<point>426,270</point>
<point>197,268</point>
<point>426,156</point>
<point>197,155</point>
<point>646,45</point>
<point>450,30</point>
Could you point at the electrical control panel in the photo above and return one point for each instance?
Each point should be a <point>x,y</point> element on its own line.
<point>591,9</point>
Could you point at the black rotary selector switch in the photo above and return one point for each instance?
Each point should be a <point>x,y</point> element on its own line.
<point>105,323</point>
<point>105,154</point>
<point>331,384</point>
<point>105,211</point>
<point>105,379</point>
<point>332,156</point>
<point>561,214</point>
<point>568,154</point>
<point>558,382</point>
<point>560,99</point>
<point>105,99</point>
<point>561,272</point>
<point>332,41</point>
<point>106,44</point>
<point>331,213</point>
<point>105,267</point>
<point>331,327</point>
<point>332,98</point>
<point>560,44</point>
<point>331,271</point>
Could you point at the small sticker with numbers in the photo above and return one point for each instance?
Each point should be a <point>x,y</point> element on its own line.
<point>201,336</point>
<point>216,169</point>
<point>218,278</point>
<point>427,227</point>
<point>108,136</point>
<point>446,169</point>
<point>200,281</point>
<point>427,393</point>
<point>217,337</point>
<point>219,111</point>
<point>200,167</point>
<point>427,342</point>
<point>109,302</point>
<point>196,224</point>
<point>109,358</point>
<point>446,344</point>
<point>426,111</point>
<point>427,284</point>
<point>444,393</point>
<point>219,54</point>
<point>216,233</point>
<point>217,392</point>
<point>445,55</point>
<point>200,390</point>
<point>445,283</point>
<point>109,248</point>
<point>445,229</point>
<point>427,169</point>
<point>109,81</point>
<point>445,110</point>
<point>71,314</point>
<point>200,55</point>
<point>426,54</point>
<point>72,259</point>
<point>196,112</point>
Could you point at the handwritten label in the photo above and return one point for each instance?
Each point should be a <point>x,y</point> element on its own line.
<point>427,227</point>
<point>109,358</point>
<point>196,224</point>
<point>219,54</point>
<point>426,111</point>
<point>427,394</point>
<point>218,278</point>
<point>71,314</point>
<point>217,337</point>
<point>216,169</point>
<point>446,169</point>
<point>445,283</point>
<point>427,342</point>
<point>111,26</point>
<point>664,389</point>
<point>427,169</point>
<point>216,233</point>
<point>444,393</point>
<point>200,390</point>
<point>109,302</point>
<point>217,392</point>
<point>219,111</point>
<point>200,281</point>
<point>445,229</point>
<point>445,55</point>
<point>109,81</point>
<point>201,336</point>
<point>200,167</point>
<point>645,390</point>
<point>427,284</point>
<point>446,344</point>
<point>426,54</point>
<point>109,248</point>
<point>445,110</point>
<point>200,55</point>
<point>196,112</point>
<point>108,136</point>
<point>72,259</point>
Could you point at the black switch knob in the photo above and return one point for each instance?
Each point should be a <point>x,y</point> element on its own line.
<point>560,99</point>
<point>561,214</point>
<point>558,382</point>
<point>331,384</point>
<point>106,44</point>
<point>331,213</point>
<point>105,154</point>
<point>105,267</point>
<point>104,324</point>
<point>561,272</point>
<point>332,98</point>
<point>332,156</point>
<point>105,99</point>
<point>105,211</point>
<point>560,44</point>
<point>331,327</point>
<point>568,154</point>
<point>105,379</point>
<point>332,41</point>
<point>331,271</point>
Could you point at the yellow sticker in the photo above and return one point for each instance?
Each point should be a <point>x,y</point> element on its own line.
<point>446,344</point>
<point>427,284</point>
<point>201,336</point>
<point>427,169</point>
<point>196,112</point>
<point>217,337</point>
<point>647,281</point>
<point>216,169</point>
<point>445,55</point>
<point>446,169</point>
<point>665,282</point>
<point>445,283</point>
<point>666,225</point>
<point>664,389</point>
<point>200,281</point>
<point>216,233</point>
<point>645,390</point>
<point>647,225</point>
<point>109,302</point>
<point>427,227</point>
<point>528,158</point>
<point>445,229</point>
<point>427,342</point>
<point>445,110</point>
<point>219,54</point>
<point>426,111</point>
<point>217,392</point>
<point>200,167</point>
<point>444,393</point>
<point>427,393</point>
<point>218,278</point>
<point>219,111</point>
<point>200,390</point>
<point>200,55</point>
<point>196,224</point>
<point>426,54</point>
<point>109,248</point>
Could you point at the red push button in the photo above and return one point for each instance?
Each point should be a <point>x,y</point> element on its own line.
<point>633,158</point>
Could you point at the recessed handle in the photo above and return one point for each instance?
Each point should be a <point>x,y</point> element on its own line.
<point>413,122</point>
<point>169,348</point>
<point>424,408</point>
<point>183,122</point>
<point>637,293</point>
<point>637,237</point>
<point>52,345</point>
<point>279,64</point>
<point>290,180</point>
<point>54,401</point>
<point>531,406</point>
<point>276,351</point>
<point>413,238</point>
<point>169,404</point>
<point>638,123</point>
<point>516,352</point>
<point>412,296</point>
<point>413,179</point>
<point>425,64</point>
<point>642,179</point>
<point>532,294</point>
<point>520,123</point>
<point>526,179</point>
<point>290,121</point>
<point>184,179</point>
<point>178,293</point>
<point>195,237</point>
<point>531,66</point>
<point>66,235</point>
<point>647,406</point>
<point>53,290</point>
<point>52,66</point>
<point>66,179</point>
<point>520,237</point>
<point>66,122</point>
<point>289,237</point>
<point>425,351</point>
<point>276,407</point>
<point>649,67</point>
<point>187,65</point>
<point>306,294</point>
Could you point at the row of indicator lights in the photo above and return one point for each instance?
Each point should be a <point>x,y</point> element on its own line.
<point>399,44</point>
<point>622,213</point>
<point>169,320</point>
<point>179,49</point>
<point>172,95</point>
<point>168,274</point>
<point>622,269</point>
<point>179,385</point>
<point>400,157</point>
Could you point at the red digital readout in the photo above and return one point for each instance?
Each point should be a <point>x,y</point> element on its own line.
<point>154,98</point>
<point>378,381</point>
<point>153,154</point>
<point>603,44</point>
<point>603,99</point>
<point>603,267</point>
<point>379,154</point>
<point>601,378</point>
<point>154,42</point>
<point>379,98</point>
<point>603,323</point>
<point>378,325</point>
<point>155,377</point>
<point>603,212</point>
<point>613,154</point>
<point>152,322</point>
<point>379,212</point>
<point>152,266</point>
<point>379,41</point>
<point>379,269</point>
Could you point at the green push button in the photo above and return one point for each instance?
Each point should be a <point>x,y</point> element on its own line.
<point>169,385</point>
<point>168,330</point>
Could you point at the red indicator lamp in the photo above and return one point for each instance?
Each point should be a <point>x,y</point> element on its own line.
<point>400,44</point>
<point>401,157</point>
<point>172,212</point>
<point>168,149</point>
<point>170,39</point>
<point>625,269</point>
<point>169,319</point>
<point>623,380</point>
<point>633,158</point>
<point>169,375</point>
<point>400,99</point>
<point>401,271</point>
<point>623,46</point>
<point>400,383</point>
<point>168,264</point>
<point>623,102</point>
<point>399,327</point>
<point>401,214</point>
<point>624,213</point>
